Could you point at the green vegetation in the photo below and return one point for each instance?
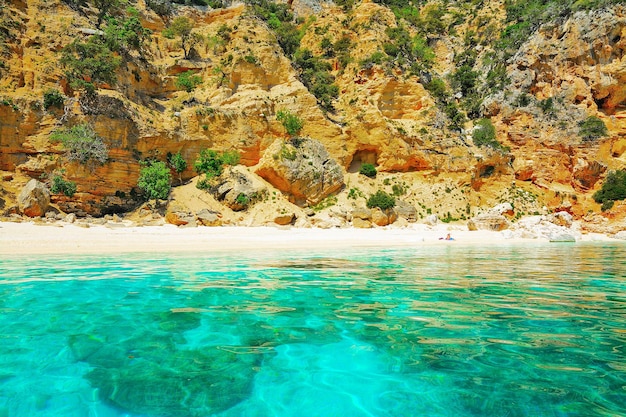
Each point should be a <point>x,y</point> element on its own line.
<point>382,200</point>
<point>126,33</point>
<point>82,144</point>
<point>178,163</point>
<point>88,64</point>
<point>155,180</point>
<point>188,81</point>
<point>105,8</point>
<point>369,170</point>
<point>410,53</point>
<point>53,98</point>
<point>211,164</point>
<point>355,193</point>
<point>292,123</point>
<point>315,75</point>
<point>398,190</point>
<point>613,189</point>
<point>61,185</point>
<point>182,27</point>
<point>592,128</point>
<point>524,17</point>
<point>329,201</point>
<point>484,135</point>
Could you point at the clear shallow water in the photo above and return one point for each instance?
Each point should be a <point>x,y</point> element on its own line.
<point>537,330</point>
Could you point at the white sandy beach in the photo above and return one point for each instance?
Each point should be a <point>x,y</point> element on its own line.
<point>62,238</point>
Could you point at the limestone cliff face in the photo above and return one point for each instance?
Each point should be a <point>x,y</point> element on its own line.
<point>383,114</point>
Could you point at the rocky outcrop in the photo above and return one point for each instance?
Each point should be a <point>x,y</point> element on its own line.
<point>488,221</point>
<point>302,169</point>
<point>238,189</point>
<point>34,199</point>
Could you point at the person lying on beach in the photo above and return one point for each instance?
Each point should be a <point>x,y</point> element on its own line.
<point>448,237</point>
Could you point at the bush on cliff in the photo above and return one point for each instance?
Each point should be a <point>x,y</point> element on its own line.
<point>613,189</point>
<point>82,144</point>
<point>155,180</point>
<point>382,200</point>
<point>211,164</point>
<point>292,123</point>
<point>369,170</point>
<point>61,185</point>
<point>592,128</point>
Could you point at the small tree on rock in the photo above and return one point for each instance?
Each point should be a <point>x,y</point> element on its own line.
<point>292,123</point>
<point>178,163</point>
<point>183,28</point>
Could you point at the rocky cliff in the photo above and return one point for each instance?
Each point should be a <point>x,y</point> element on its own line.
<point>409,90</point>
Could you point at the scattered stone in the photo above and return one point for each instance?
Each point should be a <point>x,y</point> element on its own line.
<point>34,199</point>
<point>488,221</point>
<point>361,213</point>
<point>285,219</point>
<point>178,218</point>
<point>383,218</point>
<point>361,223</point>
<point>208,218</point>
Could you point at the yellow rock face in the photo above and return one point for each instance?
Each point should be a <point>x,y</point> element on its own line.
<point>383,116</point>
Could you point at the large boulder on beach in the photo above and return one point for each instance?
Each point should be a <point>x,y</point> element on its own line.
<point>488,221</point>
<point>34,199</point>
<point>302,169</point>
<point>238,189</point>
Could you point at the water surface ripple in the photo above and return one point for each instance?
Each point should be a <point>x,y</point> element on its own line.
<point>518,330</point>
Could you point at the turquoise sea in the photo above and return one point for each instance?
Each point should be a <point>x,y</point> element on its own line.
<point>441,331</point>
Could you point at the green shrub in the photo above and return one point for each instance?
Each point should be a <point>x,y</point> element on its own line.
<point>437,88</point>
<point>382,200</point>
<point>126,32</point>
<point>485,134</point>
<point>592,128</point>
<point>355,193</point>
<point>188,81</point>
<point>182,27</point>
<point>155,180</point>
<point>292,123</point>
<point>211,163</point>
<point>398,190</point>
<point>329,201</point>
<point>547,107</point>
<point>231,157</point>
<point>82,144</point>
<point>89,63</point>
<point>178,163</point>
<point>53,98</point>
<point>367,169</point>
<point>60,185</point>
<point>376,58</point>
<point>607,205</point>
<point>613,188</point>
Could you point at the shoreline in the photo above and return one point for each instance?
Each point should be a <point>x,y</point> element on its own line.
<point>29,238</point>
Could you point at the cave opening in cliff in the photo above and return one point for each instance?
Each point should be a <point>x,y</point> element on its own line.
<point>487,171</point>
<point>362,156</point>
